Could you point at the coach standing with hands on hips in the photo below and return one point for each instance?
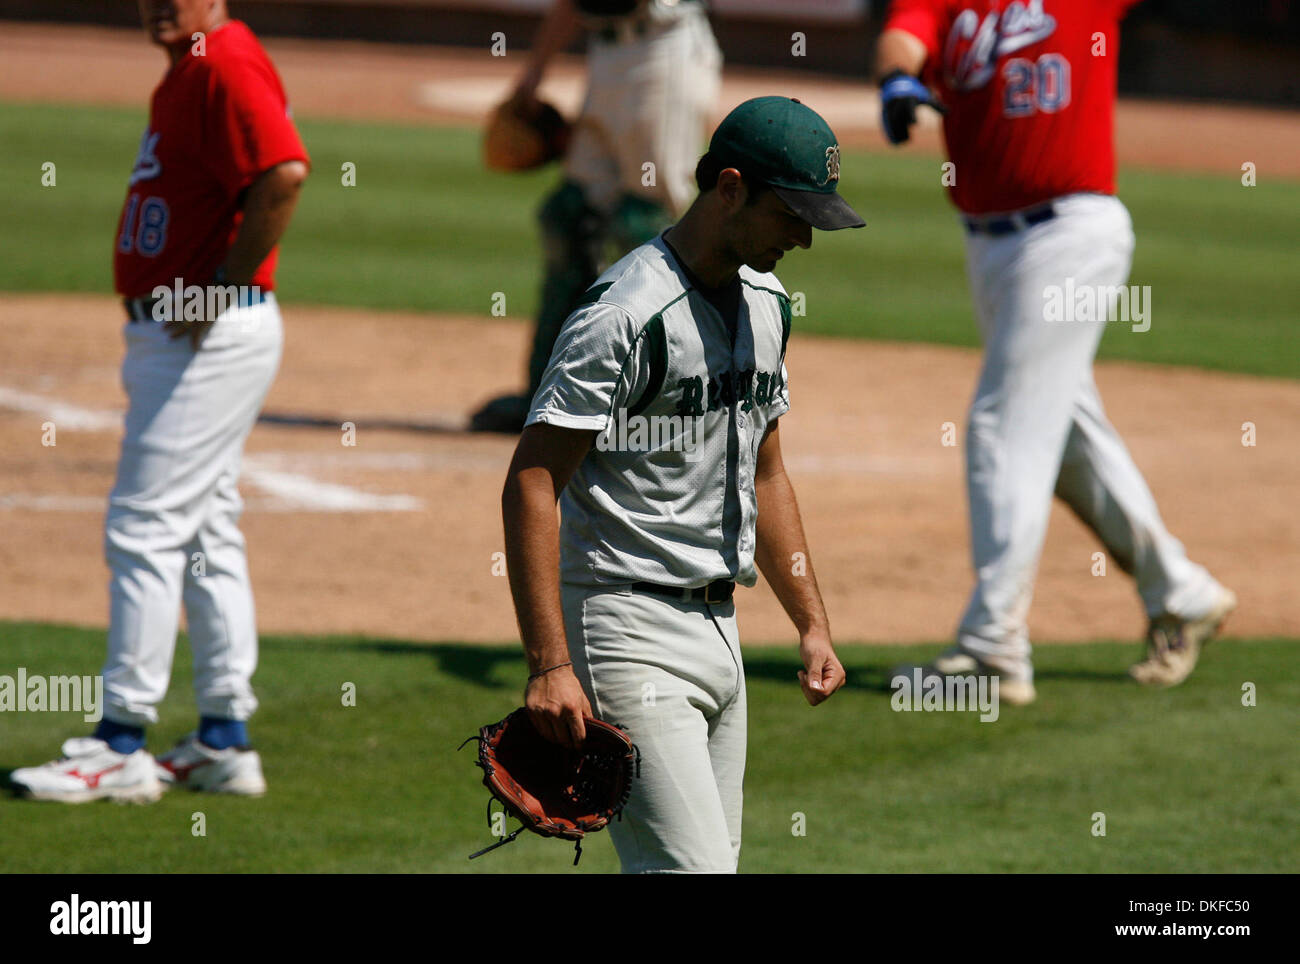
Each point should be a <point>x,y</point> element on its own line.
<point>625,607</point>
<point>213,189</point>
<point>1029,92</point>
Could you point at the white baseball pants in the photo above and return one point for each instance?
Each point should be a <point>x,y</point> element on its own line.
<point>1037,425</point>
<point>172,529</point>
<point>670,675</point>
<point>648,100</point>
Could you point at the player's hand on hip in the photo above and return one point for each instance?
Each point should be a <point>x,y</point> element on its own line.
<point>196,330</point>
<point>822,674</point>
<point>900,95</point>
<point>557,706</point>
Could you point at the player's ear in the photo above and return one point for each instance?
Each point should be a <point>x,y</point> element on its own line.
<point>731,188</point>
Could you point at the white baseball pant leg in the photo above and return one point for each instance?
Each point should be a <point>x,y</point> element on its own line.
<point>172,526</point>
<point>1036,426</point>
<point>648,100</point>
<point>670,674</point>
<point>1101,483</point>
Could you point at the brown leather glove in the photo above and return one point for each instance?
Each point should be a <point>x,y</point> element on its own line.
<point>523,134</point>
<point>552,790</point>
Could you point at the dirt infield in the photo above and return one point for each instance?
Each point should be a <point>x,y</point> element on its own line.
<point>395,536</point>
<point>97,65</point>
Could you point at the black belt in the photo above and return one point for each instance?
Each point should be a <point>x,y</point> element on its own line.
<point>1001,224</point>
<point>141,309</point>
<point>718,591</point>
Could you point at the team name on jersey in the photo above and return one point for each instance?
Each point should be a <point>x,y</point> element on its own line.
<point>147,166</point>
<point>710,393</point>
<point>975,43</point>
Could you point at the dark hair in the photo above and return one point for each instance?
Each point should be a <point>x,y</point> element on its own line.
<point>710,166</point>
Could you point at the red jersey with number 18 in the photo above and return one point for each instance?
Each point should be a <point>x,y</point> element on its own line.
<point>218,120</point>
<point>1030,92</point>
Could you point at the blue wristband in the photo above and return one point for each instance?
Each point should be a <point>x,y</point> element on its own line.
<point>905,85</point>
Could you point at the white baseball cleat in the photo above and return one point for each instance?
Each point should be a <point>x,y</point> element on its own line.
<point>199,767</point>
<point>958,662</point>
<point>1174,644</point>
<point>91,770</point>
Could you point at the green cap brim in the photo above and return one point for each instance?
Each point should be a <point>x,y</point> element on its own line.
<point>826,212</point>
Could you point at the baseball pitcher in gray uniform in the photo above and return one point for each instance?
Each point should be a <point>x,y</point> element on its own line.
<point>656,427</point>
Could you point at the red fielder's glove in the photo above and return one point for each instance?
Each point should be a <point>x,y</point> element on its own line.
<point>552,790</point>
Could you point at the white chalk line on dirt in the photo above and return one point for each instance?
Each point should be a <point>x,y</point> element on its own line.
<point>62,414</point>
<point>54,503</point>
<point>323,496</point>
<point>283,476</point>
<point>290,491</point>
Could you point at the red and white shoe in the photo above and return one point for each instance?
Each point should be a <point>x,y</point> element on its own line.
<point>199,767</point>
<point>91,770</point>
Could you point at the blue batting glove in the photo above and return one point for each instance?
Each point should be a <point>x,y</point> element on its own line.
<point>900,93</point>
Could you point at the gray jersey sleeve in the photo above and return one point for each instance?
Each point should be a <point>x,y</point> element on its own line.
<point>595,367</point>
<point>781,399</point>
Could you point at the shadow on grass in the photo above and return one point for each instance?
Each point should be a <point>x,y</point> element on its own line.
<point>480,664</point>
<point>472,664</point>
<point>880,680</point>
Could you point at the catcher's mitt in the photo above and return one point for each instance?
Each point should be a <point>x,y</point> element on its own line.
<point>521,136</point>
<point>552,790</point>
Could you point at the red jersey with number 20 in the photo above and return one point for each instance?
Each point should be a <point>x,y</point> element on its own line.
<point>218,120</point>
<point>1030,92</point>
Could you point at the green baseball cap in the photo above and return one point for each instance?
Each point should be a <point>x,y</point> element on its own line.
<point>790,148</point>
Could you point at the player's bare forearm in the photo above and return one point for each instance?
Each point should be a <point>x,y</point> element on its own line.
<point>532,537</point>
<point>899,50</point>
<point>782,556</point>
<point>781,552</point>
<point>558,29</point>
<point>544,461</point>
<point>899,59</point>
<point>268,208</point>
<point>781,549</point>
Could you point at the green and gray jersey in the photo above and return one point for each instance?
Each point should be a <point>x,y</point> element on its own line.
<point>667,493</point>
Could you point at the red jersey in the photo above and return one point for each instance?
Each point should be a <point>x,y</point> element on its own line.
<point>216,122</point>
<point>1030,92</point>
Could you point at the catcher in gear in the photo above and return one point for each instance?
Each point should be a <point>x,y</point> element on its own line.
<point>653,73</point>
<point>552,790</point>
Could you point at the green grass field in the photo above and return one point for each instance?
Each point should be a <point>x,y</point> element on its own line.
<point>1189,779</point>
<point>427,228</point>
